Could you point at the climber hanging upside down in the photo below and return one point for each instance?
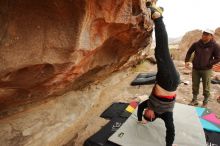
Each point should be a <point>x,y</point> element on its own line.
<point>162,99</point>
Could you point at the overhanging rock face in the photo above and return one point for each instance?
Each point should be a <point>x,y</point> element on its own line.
<point>50,46</point>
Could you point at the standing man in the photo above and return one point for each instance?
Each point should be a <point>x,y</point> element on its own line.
<point>206,54</point>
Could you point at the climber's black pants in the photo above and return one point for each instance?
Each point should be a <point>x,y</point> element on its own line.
<point>167,75</point>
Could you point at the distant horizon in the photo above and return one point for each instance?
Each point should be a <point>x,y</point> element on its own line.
<point>182,16</point>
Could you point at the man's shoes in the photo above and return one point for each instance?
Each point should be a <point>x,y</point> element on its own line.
<point>194,103</point>
<point>205,104</point>
<point>156,12</point>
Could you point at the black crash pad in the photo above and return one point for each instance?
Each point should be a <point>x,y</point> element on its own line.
<point>100,138</point>
<point>114,110</point>
<point>143,81</point>
<point>212,138</point>
<point>146,75</point>
<point>214,81</point>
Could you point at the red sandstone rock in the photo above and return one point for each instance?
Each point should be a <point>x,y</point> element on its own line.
<point>50,47</point>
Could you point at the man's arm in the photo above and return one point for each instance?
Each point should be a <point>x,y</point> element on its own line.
<point>170,129</point>
<point>189,52</point>
<point>141,108</point>
<point>188,55</point>
<point>216,55</point>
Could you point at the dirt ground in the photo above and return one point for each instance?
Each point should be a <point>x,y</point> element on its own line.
<point>116,88</point>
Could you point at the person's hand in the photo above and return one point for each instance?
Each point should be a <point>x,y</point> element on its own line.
<point>142,122</point>
<point>174,145</point>
<point>187,65</point>
<point>150,114</point>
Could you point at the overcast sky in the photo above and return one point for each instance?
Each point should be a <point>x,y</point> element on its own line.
<point>181,16</point>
